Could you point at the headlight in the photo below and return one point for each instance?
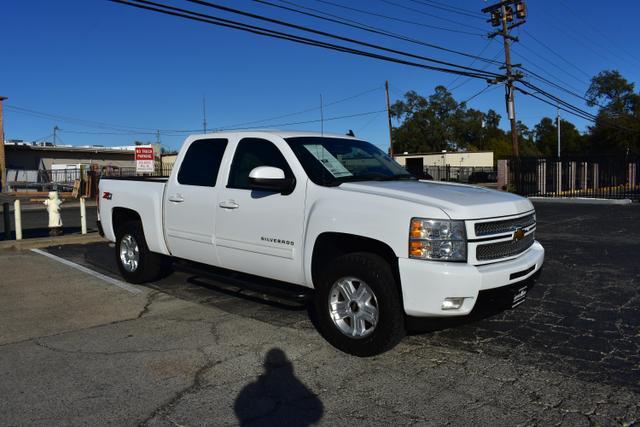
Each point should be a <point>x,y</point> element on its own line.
<point>437,240</point>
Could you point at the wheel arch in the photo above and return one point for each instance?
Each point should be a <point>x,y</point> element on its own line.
<point>120,216</point>
<point>330,245</point>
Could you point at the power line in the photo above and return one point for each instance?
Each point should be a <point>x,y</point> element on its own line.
<point>326,119</point>
<point>305,110</point>
<point>82,122</point>
<point>466,80</point>
<point>536,76</point>
<point>571,64</point>
<point>448,8</point>
<point>479,93</point>
<point>315,31</point>
<point>533,64</point>
<point>601,34</point>
<point>567,107</point>
<point>392,18</point>
<point>365,27</point>
<point>183,13</point>
<point>421,12</point>
<point>579,79</point>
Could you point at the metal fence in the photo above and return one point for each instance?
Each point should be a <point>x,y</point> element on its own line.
<point>464,174</point>
<point>67,179</point>
<point>600,177</point>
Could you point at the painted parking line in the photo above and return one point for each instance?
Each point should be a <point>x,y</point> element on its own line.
<point>115,282</point>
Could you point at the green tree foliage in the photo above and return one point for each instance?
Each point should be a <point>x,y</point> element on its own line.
<point>617,127</point>
<point>439,122</point>
<point>546,138</point>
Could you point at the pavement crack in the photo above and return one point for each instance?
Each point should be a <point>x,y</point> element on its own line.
<point>151,297</point>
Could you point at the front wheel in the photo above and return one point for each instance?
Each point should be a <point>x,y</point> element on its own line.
<point>137,264</point>
<point>357,305</point>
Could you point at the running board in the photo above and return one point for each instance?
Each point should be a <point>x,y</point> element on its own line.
<point>273,288</point>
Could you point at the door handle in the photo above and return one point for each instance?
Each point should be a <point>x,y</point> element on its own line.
<point>176,198</point>
<point>229,204</point>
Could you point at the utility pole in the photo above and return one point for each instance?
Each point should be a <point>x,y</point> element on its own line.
<point>386,88</point>
<point>558,122</point>
<point>3,162</point>
<point>502,14</point>
<point>160,151</point>
<point>204,114</point>
<point>55,134</point>
<point>321,117</point>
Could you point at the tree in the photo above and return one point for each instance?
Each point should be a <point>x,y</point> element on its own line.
<point>439,122</point>
<point>617,125</point>
<point>546,138</point>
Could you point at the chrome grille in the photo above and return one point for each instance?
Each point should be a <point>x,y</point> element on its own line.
<point>506,226</point>
<point>506,249</point>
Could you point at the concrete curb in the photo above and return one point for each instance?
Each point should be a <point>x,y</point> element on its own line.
<point>581,201</point>
<point>43,242</point>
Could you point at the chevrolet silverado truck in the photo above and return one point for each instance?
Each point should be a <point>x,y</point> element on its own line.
<point>331,213</point>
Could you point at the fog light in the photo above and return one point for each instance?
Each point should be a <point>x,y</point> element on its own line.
<point>452,303</point>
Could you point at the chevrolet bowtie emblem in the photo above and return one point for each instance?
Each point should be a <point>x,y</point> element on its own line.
<point>518,234</point>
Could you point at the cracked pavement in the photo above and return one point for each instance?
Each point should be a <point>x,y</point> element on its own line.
<point>190,351</point>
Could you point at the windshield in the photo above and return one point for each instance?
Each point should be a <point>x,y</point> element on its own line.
<point>332,161</point>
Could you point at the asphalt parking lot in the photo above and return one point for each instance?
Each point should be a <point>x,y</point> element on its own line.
<point>75,349</point>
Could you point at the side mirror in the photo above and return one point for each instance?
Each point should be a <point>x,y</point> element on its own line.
<point>269,178</point>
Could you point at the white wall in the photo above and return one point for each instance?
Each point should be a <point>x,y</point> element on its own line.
<point>482,159</point>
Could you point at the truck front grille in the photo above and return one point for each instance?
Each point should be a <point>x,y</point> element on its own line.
<point>506,249</point>
<point>505,226</point>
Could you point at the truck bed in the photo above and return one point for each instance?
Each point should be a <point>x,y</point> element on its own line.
<point>161,179</point>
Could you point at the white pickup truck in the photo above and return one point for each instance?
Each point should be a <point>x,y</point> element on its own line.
<point>330,213</point>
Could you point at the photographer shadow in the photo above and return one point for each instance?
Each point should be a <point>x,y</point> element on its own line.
<point>277,397</point>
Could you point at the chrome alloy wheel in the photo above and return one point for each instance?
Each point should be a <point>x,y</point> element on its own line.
<point>129,253</point>
<point>353,307</point>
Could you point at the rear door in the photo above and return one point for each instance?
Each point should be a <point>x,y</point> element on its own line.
<point>191,201</point>
<point>257,231</point>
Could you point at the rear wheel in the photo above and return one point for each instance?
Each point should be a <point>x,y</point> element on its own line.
<point>357,305</point>
<point>137,264</point>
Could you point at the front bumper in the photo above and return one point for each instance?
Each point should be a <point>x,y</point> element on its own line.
<point>426,284</point>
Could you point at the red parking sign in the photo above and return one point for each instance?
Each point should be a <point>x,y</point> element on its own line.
<point>145,161</point>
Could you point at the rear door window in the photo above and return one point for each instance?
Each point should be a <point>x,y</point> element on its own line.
<point>201,164</point>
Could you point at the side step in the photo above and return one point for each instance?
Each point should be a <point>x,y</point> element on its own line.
<point>273,288</point>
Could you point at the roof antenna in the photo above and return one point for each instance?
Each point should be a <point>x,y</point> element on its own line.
<point>350,133</point>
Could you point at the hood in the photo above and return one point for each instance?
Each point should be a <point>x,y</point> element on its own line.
<point>456,200</point>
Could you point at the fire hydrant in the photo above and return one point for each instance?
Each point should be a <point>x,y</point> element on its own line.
<point>55,219</point>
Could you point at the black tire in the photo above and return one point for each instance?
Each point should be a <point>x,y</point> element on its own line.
<point>151,266</point>
<point>376,273</point>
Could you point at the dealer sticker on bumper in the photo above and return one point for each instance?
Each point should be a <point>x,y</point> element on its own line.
<point>519,296</point>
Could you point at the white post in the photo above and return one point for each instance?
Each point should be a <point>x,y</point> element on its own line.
<point>18,219</point>
<point>83,215</point>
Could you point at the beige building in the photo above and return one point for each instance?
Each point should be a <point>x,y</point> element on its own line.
<point>419,162</point>
<point>23,156</point>
<point>474,159</point>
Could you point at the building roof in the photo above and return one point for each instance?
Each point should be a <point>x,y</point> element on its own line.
<point>439,153</point>
<point>18,146</point>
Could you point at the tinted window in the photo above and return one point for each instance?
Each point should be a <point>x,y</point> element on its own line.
<point>251,153</point>
<point>201,163</point>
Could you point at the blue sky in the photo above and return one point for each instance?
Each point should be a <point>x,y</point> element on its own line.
<point>103,62</point>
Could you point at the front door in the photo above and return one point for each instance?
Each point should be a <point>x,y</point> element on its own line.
<point>191,201</point>
<point>257,231</point>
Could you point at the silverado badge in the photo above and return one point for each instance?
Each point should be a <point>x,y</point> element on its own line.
<point>518,234</point>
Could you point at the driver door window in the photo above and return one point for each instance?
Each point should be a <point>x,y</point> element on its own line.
<point>251,153</point>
